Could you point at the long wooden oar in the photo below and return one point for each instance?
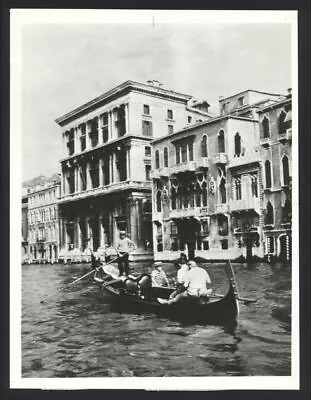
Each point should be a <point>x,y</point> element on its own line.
<point>79,279</point>
<point>244,299</point>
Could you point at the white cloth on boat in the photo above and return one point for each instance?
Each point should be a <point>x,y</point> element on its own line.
<point>196,282</point>
<point>182,273</point>
<point>159,278</point>
<point>112,271</point>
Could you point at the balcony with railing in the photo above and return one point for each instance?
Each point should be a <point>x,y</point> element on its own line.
<point>285,136</point>
<point>252,203</point>
<point>157,173</point>
<point>202,162</point>
<point>221,158</point>
<point>221,208</point>
<point>244,160</point>
<point>105,190</point>
<point>189,212</point>
<point>265,141</point>
<point>183,167</point>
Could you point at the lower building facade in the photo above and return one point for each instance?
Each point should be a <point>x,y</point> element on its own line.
<point>43,223</point>
<point>91,224</point>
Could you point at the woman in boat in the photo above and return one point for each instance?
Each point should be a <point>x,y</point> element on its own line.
<point>158,276</point>
<point>196,285</point>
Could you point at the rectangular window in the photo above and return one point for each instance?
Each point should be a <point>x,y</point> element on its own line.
<point>170,114</point>
<point>189,119</point>
<point>205,245</point>
<point>146,109</point>
<point>147,128</point>
<point>105,119</point>
<point>147,151</point>
<point>170,129</point>
<point>177,150</point>
<point>241,101</point>
<point>238,191</point>
<point>148,172</point>
<point>184,153</point>
<point>190,151</point>
<point>224,244</point>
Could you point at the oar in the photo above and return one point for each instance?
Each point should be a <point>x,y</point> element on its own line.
<point>79,279</point>
<point>245,299</point>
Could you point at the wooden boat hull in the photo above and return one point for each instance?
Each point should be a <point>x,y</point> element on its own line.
<point>221,311</point>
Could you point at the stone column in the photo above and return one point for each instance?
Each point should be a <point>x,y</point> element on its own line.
<point>89,234</point>
<point>126,114</point>
<point>101,232</point>
<point>64,190</point>
<point>100,134</point>
<point>79,246</point>
<point>76,188</point>
<point>110,124</point>
<point>128,163</point>
<point>101,175</point>
<point>88,178</point>
<point>111,169</point>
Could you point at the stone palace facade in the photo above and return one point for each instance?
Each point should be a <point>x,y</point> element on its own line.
<point>106,165</point>
<point>221,187</point>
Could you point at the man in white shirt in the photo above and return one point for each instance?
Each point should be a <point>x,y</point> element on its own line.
<point>196,282</point>
<point>123,247</point>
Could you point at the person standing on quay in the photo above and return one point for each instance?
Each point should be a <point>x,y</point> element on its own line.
<point>124,246</point>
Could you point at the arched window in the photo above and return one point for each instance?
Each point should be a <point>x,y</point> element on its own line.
<point>237,145</point>
<point>159,201</point>
<point>287,212</point>
<point>221,142</point>
<point>198,195</point>
<point>190,149</point>
<point>268,174</point>
<point>165,154</point>
<point>281,122</point>
<point>157,159</point>
<point>266,127</point>
<point>204,194</point>
<point>285,168</point>
<point>204,150</point>
<point>269,220</point>
<point>222,191</point>
<point>173,199</point>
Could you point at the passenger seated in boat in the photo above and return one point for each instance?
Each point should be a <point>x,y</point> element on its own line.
<point>182,270</point>
<point>158,276</point>
<point>196,284</point>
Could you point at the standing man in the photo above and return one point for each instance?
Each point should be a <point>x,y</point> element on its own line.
<point>123,247</point>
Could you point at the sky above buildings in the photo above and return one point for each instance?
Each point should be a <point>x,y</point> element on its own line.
<point>65,65</point>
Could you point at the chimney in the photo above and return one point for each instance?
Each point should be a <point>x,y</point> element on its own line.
<point>154,83</point>
<point>289,91</point>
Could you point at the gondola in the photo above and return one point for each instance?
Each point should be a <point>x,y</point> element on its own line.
<point>135,294</point>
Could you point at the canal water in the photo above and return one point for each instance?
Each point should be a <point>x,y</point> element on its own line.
<point>77,332</point>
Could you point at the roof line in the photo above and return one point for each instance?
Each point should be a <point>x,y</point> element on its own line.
<point>206,122</point>
<point>115,90</point>
<point>251,90</point>
<point>263,109</point>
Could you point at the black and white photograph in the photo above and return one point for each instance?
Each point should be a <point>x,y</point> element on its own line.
<point>154,199</point>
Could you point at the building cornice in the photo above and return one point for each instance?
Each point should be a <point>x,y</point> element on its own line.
<point>274,105</point>
<point>202,124</point>
<point>118,91</point>
<point>123,140</point>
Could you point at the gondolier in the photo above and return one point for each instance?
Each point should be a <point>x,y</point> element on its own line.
<point>123,247</point>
